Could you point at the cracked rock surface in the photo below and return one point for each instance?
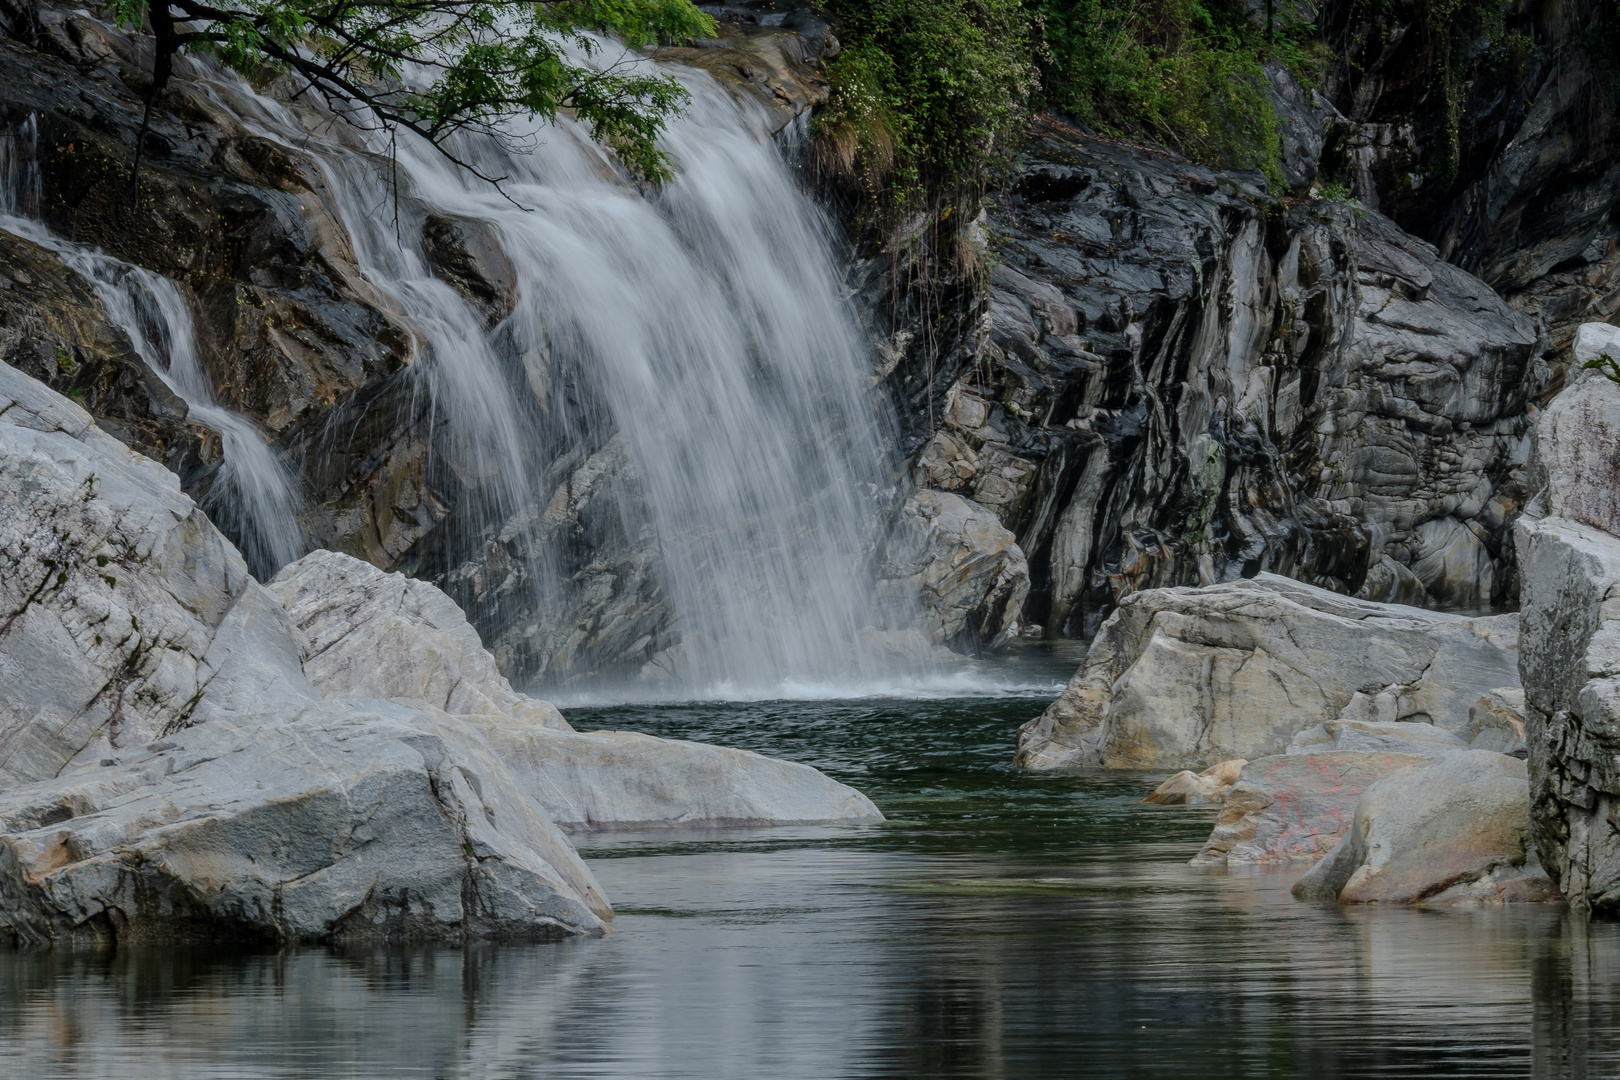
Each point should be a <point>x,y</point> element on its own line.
<point>120,604</point>
<point>345,821</point>
<point>1185,678</point>
<point>1570,551</point>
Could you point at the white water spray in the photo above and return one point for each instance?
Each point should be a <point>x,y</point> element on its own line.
<point>709,322</point>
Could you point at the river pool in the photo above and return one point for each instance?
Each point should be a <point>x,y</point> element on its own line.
<point>998,925</point>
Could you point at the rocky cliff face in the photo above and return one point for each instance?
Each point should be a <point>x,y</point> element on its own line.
<point>293,337</point>
<point>1569,544</point>
<point>1175,382</point>
<point>1513,171</point>
<point>1148,372</point>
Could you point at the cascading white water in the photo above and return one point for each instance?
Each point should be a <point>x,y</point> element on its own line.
<point>708,318</point>
<point>254,497</point>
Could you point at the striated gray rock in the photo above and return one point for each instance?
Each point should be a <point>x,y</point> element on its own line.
<point>1184,678</point>
<point>1295,807</point>
<point>1456,830</point>
<point>1197,392</point>
<point>378,635</point>
<point>341,821</point>
<point>966,566</point>
<point>1301,126</point>
<point>1570,659</point>
<point>1526,201</point>
<point>623,779</point>
<point>121,606</point>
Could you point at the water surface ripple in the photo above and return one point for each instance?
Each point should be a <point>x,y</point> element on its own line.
<point>1000,925</point>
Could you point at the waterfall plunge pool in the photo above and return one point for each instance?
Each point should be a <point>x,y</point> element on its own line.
<point>999,925</point>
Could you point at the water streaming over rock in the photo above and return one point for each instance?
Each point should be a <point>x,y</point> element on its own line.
<point>700,327</point>
<point>254,498</point>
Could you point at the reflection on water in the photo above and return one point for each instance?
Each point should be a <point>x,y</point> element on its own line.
<point>999,926</point>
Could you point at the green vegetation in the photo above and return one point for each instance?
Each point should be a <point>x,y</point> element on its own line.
<point>485,60</point>
<point>928,96</point>
<point>1454,29</point>
<point>1186,73</point>
<point>1607,365</point>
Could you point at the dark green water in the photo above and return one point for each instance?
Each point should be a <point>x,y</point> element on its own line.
<point>1000,925</point>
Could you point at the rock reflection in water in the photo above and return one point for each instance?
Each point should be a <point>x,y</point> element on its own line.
<point>1001,925</point>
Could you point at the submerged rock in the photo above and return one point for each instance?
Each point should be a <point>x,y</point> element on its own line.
<point>1295,807</point>
<point>1191,789</point>
<point>1183,678</point>
<point>342,821</point>
<point>1456,830</point>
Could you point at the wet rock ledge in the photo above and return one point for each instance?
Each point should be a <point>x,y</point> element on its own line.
<point>188,755</point>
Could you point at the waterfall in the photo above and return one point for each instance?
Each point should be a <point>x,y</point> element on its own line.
<point>703,324</point>
<point>253,498</point>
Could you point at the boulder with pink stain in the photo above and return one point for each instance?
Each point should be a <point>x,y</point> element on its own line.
<point>1295,807</point>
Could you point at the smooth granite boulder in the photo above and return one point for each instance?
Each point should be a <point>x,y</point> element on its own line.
<point>1295,807</point>
<point>1187,788</point>
<point>1376,736</point>
<point>124,614</point>
<point>375,634</point>
<point>1455,830</point>
<point>1183,678</point>
<point>342,821</point>
<point>623,779</point>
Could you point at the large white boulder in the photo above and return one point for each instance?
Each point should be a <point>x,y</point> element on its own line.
<point>340,821</point>
<point>1184,678</point>
<point>374,634</point>
<point>1456,829</point>
<point>124,614</point>
<point>624,779</point>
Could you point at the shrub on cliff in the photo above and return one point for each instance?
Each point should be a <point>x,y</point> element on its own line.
<point>436,67</point>
<point>929,97</point>
<point>1187,73</point>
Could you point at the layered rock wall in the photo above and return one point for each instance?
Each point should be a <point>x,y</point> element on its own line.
<point>1174,385</point>
<point>1569,546</point>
